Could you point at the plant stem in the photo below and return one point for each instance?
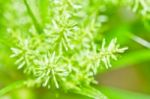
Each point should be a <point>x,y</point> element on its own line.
<point>35,22</point>
<point>139,40</point>
<point>11,87</point>
<point>90,92</point>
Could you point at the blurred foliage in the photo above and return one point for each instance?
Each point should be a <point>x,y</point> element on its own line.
<point>126,20</point>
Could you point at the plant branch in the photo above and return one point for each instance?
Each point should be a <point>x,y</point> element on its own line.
<point>35,22</point>
<point>90,92</point>
<point>11,87</point>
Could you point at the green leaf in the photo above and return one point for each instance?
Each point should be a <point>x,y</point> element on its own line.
<point>114,93</point>
<point>132,58</point>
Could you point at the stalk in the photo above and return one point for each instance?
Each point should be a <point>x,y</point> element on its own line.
<point>11,87</point>
<point>35,22</point>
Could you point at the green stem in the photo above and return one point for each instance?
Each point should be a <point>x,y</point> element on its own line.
<point>11,87</point>
<point>138,40</point>
<point>90,92</point>
<point>35,22</point>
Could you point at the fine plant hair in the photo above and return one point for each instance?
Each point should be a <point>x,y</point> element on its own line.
<point>63,49</point>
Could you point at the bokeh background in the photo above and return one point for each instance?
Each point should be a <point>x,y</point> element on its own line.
<point>129,77</point>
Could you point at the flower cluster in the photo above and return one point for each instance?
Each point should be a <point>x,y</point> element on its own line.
<point>65,55</point>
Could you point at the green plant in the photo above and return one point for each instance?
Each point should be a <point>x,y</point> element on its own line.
<point>60,46</point>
